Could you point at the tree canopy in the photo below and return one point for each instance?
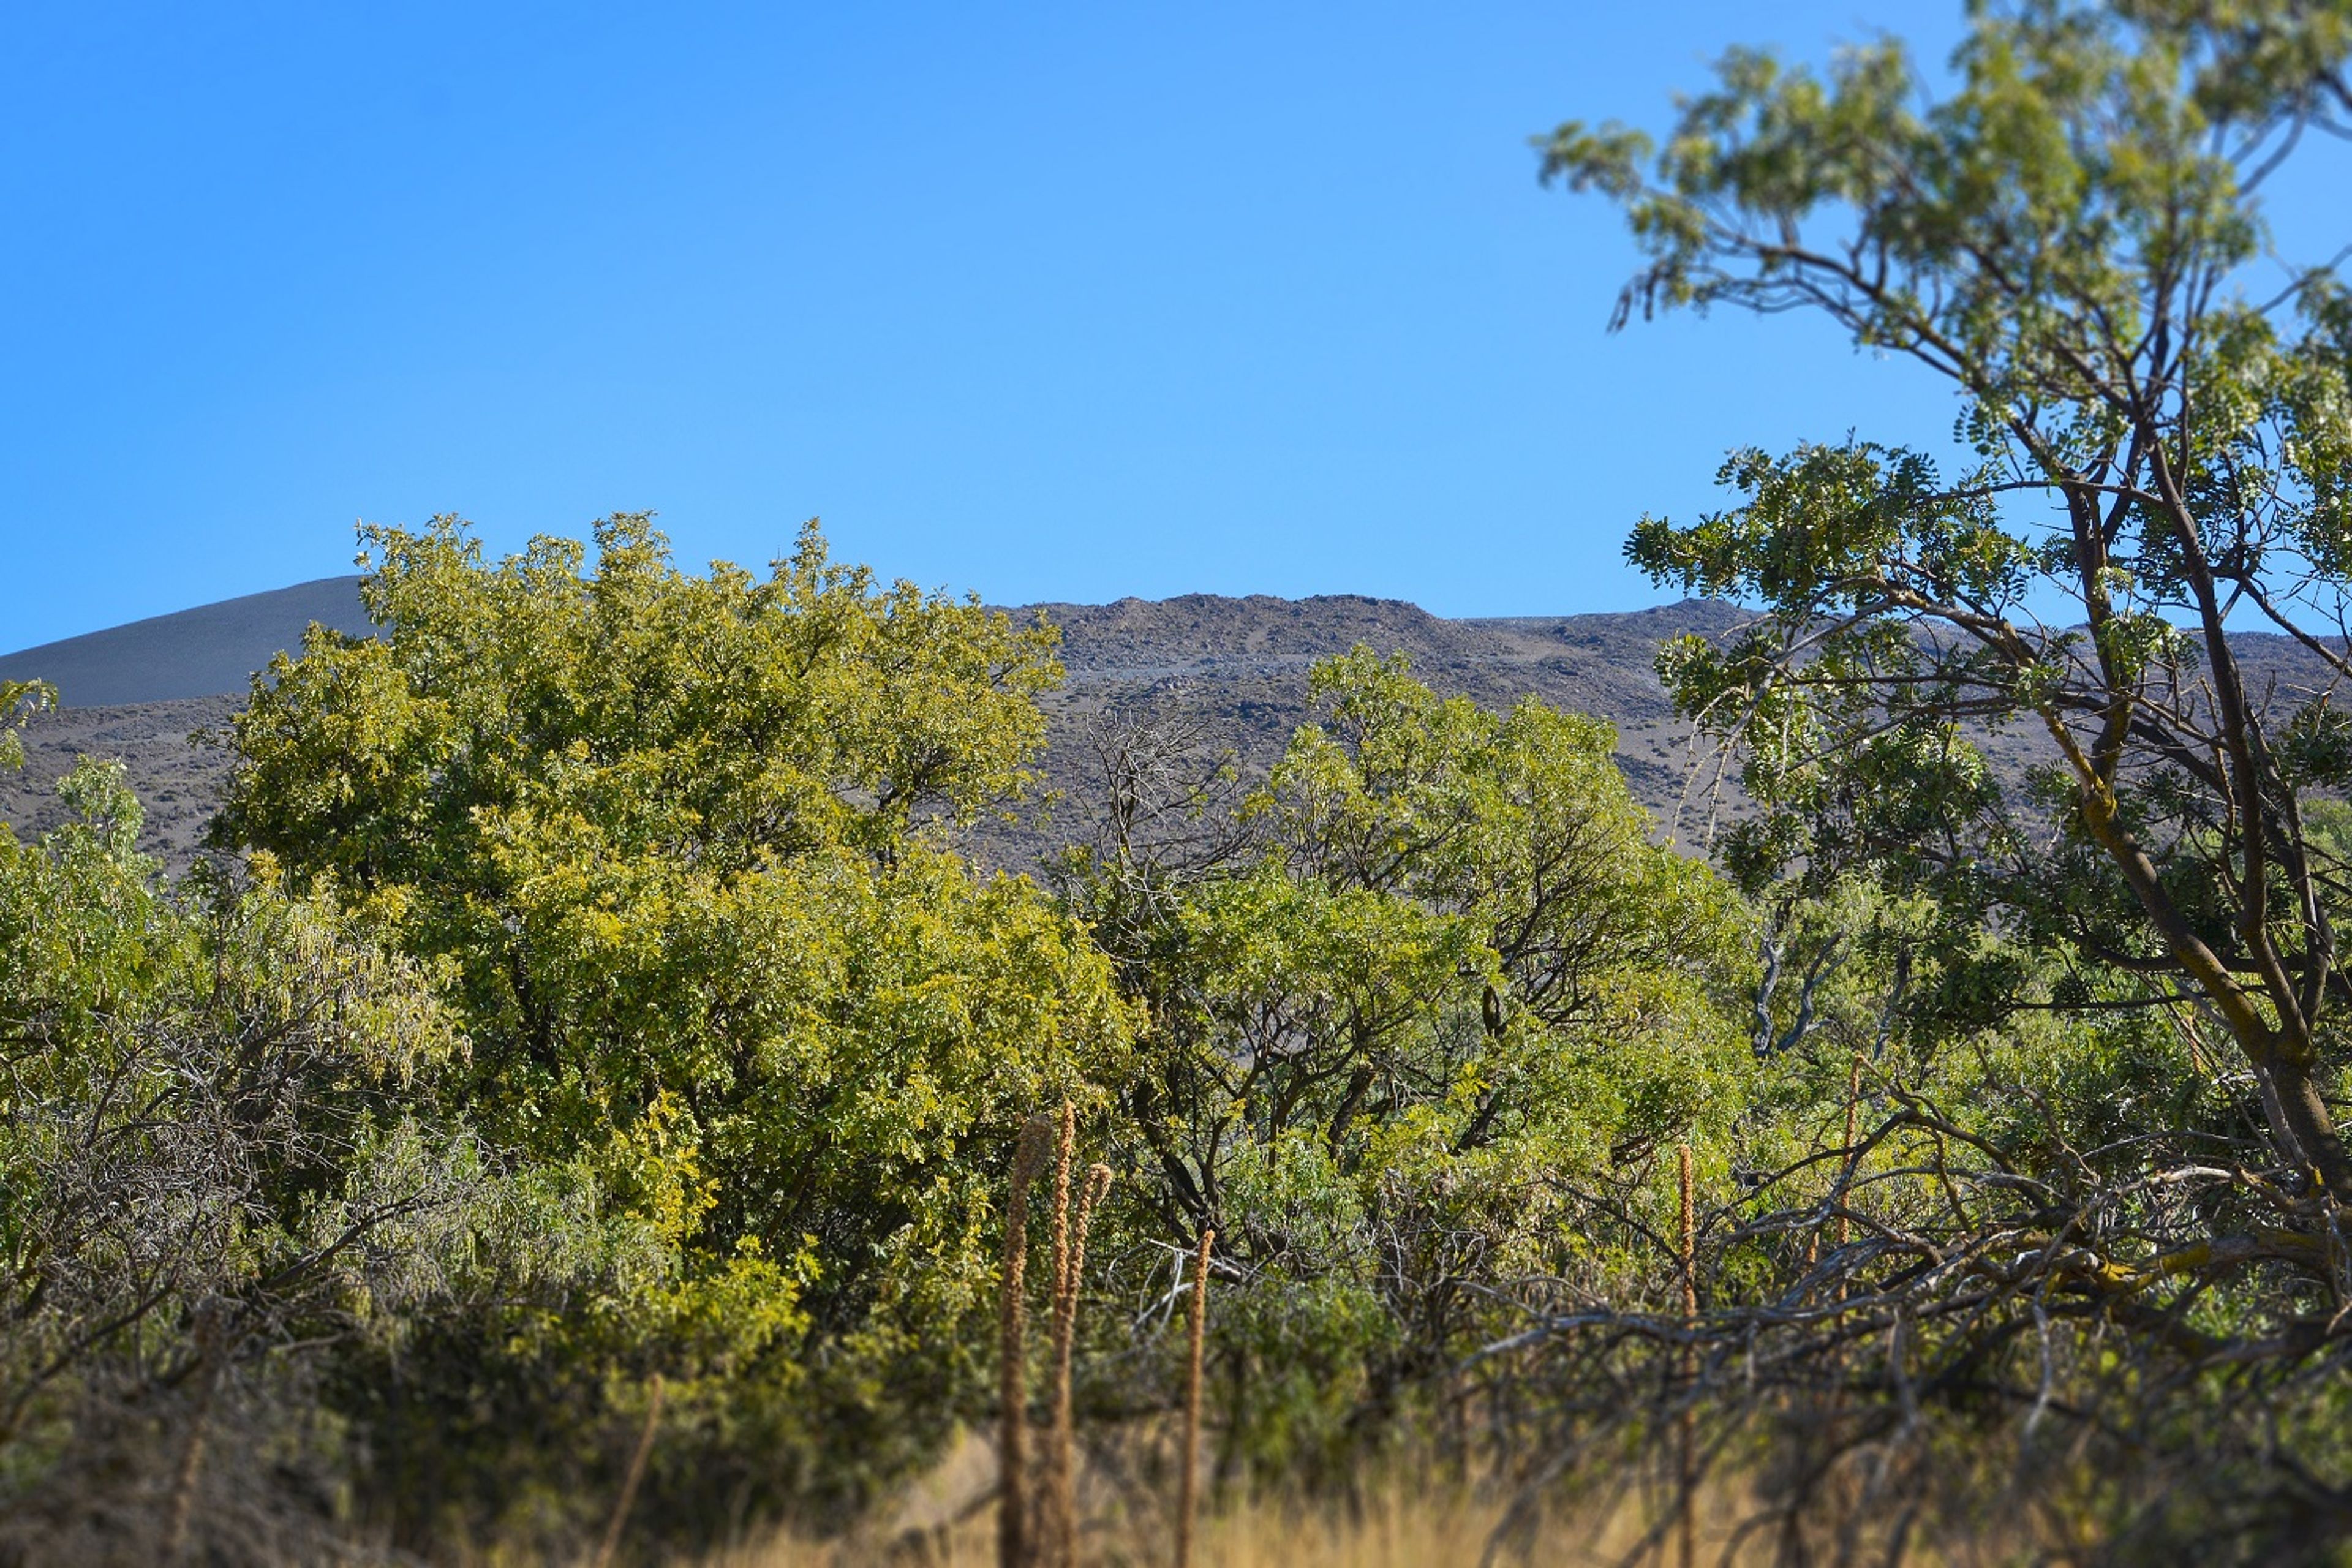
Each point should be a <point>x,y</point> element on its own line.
<point>2161,439</point>
<point>678,844</point>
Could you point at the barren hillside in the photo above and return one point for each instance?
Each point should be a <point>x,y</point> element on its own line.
<point>140,691</point>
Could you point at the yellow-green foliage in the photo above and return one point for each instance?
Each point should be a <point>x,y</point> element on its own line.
<point>1453,974</point>
<point>677,839</point>
<point>211,1166</point>
<point>19,699</point>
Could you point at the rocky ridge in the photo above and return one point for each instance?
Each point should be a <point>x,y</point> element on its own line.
<point>1241,663</point>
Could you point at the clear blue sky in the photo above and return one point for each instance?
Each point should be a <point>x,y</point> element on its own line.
<point>1044,301</point>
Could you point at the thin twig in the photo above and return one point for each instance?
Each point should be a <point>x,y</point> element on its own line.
<point>637,1474</point>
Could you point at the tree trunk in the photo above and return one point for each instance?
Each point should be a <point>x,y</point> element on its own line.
<point>2308,1131</point>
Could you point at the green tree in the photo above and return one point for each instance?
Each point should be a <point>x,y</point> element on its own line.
<point>682,847</point>
<point>1439,975</point>
<point>2067,237</point>
<point>19,699</point>
<point>210,1179</point>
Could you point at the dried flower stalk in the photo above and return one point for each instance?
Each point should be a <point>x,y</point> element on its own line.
<point>1689,1524</point>
<point>1061,1501</point>
<point>1012,1364</point>
<point>637,1474</point>
<point>1188,1484</point>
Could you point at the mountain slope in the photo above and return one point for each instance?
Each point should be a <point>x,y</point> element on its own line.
<point>138,693</point>
<point>202,652</point>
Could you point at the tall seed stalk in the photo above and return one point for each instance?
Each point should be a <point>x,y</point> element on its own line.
<point>1188,1483</point>
<point>1049,1485</point>
<point>637,1474</point>
<point>1062,1499</point>
<point>180,1510</point>
<point>1012,1364</point>
<point>1690,1424</point>
<point>1037,1523</point>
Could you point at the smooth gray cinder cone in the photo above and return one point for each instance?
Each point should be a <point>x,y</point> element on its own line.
<point>1012,1364</point>
<point>1187,1480</point>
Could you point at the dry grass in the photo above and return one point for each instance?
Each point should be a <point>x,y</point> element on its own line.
<point>1398,1527</point>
